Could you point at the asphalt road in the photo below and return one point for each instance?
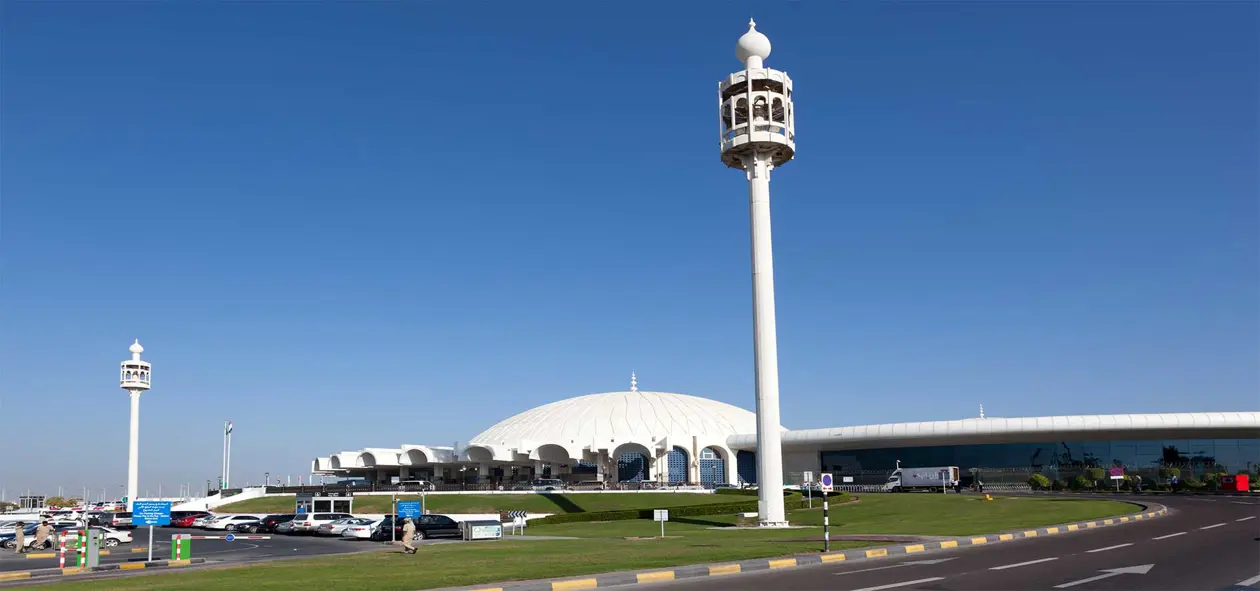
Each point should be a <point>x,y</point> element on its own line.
<point>1203,544</point>
<point>279,546</point>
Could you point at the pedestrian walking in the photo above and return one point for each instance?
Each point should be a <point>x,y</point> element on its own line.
<point>19,537</point>
<point>408,533</point>
<point>41,535</point>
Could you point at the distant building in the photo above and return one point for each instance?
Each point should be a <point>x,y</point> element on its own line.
<point>636,436</point>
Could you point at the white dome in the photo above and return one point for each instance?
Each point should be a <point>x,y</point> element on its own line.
<point>612,419</point>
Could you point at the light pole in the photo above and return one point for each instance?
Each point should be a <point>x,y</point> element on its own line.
<point>757,135</point>
<point>133,376</point>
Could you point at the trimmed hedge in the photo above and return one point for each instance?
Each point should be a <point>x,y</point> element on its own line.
<point>793,500</point>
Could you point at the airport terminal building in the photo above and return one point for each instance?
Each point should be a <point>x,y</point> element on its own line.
<point>636,436</point>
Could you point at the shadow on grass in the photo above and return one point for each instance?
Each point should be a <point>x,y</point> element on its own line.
<point>564,503</point>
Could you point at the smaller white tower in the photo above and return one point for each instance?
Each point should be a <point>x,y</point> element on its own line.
<point>133,376</point>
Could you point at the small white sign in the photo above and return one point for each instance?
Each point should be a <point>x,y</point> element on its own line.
<point>847,479</point>
<point>660,515</point>
<point>1120,477</point>
<point>809,477</point>
<point>825,482</point>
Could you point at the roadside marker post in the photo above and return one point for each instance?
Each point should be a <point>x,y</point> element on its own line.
<point>661,515</point>
<point>809,490</point>
<point>826,484</point>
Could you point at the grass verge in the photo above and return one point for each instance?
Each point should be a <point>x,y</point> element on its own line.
<point>690,541</point>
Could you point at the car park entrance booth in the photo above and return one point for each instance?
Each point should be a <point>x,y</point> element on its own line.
<point>324,503</point>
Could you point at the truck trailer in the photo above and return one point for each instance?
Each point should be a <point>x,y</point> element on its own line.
<point>932,477</point>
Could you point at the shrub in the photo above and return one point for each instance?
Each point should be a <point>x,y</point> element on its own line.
<point>1039,482</point>
<point>1169,472</point>
<point>1059,484</point>
<point>1096,474</point>
<point>1081,482</point>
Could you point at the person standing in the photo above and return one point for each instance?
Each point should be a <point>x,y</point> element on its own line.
<point>408,534</point>
<point>19,537</point>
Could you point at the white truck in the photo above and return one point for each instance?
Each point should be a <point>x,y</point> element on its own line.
<point>932,477</point>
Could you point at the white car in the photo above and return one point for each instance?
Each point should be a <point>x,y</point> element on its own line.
<point>305,523</point>
<point>202,521</point>
<point>334,528</point>
<point>225,520</point>
<point>361,531</point>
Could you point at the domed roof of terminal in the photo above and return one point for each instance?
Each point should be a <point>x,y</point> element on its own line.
<point>620,417</point>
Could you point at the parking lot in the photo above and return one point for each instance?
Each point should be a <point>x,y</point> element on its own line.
<point>279,546</point>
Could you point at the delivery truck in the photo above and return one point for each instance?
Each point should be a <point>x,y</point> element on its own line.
<point>932,477</point>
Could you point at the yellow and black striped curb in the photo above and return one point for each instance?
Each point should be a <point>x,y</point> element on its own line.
<point>72,555</point>
<point>58,572</point>
<point>745,566</point>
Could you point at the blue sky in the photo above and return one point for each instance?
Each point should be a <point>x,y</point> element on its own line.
<point>366,224</point>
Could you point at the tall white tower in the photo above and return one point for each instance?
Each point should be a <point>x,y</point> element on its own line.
<point>757,147</point>
<point>133,376</point>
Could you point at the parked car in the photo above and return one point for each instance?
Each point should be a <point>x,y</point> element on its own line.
<point>284,527</point>
<point>547,484</point>
<point>7,539</point>
<point>427,526</point>
<point>223,521</point>
<point>334,528</point>
<point>268,523</point>
<point>201,522</point>
<point>117,520</point>
<point>243,526</point>
<point>114,537</point>
<point>189,520</point>
<point>362,532</point>
<point>417,485</point>
<point>309,522</point>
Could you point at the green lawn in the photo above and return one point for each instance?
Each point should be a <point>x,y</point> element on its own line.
<point>539,503</point>
<point>690,541</point>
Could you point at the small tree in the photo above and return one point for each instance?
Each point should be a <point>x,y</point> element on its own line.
<point>56,502</point>
<point>6,506</point>
<point>1167,473</point>
<point>1038,482</point>
<point>1081,482</point>
<point>1096,475</point>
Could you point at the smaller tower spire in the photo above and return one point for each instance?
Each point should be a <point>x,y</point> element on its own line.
<point>634,382</point>
<point>982,410</point>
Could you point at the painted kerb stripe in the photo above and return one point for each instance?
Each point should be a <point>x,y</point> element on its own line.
<point>15,576</point>
<point>1006,537</point>
<point>949,544</point>
<point>783,563</point>
<point>832,557</point>
<point>877,552</point>
<point>914,548</point>
<point>131,566</point>
<point>724,569</point>
<point>574,585</point>
<point>664,575</point>
<point>977,541</point>
<point>1052,530</point>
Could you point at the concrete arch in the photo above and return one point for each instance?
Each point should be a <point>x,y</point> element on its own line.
<point>551,452</point>
<point>365,460</point>
<point>414,457</point>
<point>479,453</point>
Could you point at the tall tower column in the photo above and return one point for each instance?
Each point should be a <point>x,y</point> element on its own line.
<point>134,377</point>
<point>758,135</point>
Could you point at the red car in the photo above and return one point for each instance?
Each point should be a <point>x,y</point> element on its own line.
<point>186,518</point>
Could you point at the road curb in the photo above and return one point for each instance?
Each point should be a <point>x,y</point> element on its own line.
<point>6,577</point>
<point>617,579</point>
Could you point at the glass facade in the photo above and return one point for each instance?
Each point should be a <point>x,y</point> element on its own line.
<point>712,468</point>
<point>677,462</point>
<point>1059,457</point>
<point>746,467</point>
<point>632,467</point>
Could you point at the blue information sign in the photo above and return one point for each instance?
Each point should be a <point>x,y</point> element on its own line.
<point>150,513</point>
<point>229,538</point>
<point>409,509</point>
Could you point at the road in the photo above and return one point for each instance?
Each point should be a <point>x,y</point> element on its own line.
<point>1203,544</point>
<point>279,546</point>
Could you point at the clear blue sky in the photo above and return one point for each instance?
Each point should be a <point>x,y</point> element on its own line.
<point>366,224</point>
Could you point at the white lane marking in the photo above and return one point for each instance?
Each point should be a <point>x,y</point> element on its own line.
<point>1110,572</point>
<point>1249,582</point>
<point>1019,564</point>
<point>895,585</point>
<point>1180,533</point>
<point>1108,548</point>
<point>912,563</point>
<point>1212,526</point>
<point>1246,518</point>
<point>1241,503</point>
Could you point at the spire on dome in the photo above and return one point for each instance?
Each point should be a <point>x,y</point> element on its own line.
<point>634,382</point>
